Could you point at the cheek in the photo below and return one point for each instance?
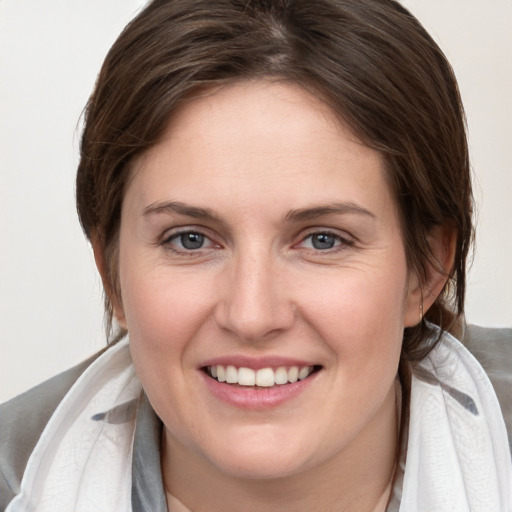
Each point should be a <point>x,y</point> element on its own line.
<point>160,311</point>
<point>358,302</point>
<point>167,314</point>
<point>367,336</point>
<point>164,319</point>
<point>360,316</point>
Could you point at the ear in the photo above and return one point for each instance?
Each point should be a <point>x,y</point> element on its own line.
<point>442,241</point>
<point>103,269</point>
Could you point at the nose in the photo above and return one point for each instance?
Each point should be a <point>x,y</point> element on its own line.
<point>255,303</point>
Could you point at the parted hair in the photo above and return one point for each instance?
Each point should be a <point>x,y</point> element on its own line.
<point>370,60</point>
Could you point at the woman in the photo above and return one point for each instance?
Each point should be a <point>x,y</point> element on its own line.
<point>278,198</point>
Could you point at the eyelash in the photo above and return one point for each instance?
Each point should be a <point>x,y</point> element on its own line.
<point>340,242</point>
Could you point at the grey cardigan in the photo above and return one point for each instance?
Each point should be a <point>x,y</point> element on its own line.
<point>23,419</point>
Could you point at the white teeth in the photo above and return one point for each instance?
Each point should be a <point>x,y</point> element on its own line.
<point>303,373</point>
<point>264,377</point>
<point>231,375</point>
<point>246,377</point>
<point>293,374</point>
<point>281,376</point>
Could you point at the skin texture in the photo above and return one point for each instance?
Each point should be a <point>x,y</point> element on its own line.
<point>271,167</point>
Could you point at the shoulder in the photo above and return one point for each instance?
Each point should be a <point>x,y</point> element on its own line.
<point>492,347</point>
<point>22,420</point>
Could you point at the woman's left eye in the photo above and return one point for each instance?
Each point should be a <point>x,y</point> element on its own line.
<point>324,241</point>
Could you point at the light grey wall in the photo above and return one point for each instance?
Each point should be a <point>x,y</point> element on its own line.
<point>50,53</point>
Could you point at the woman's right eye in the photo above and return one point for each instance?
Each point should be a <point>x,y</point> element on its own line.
<point>188,241</point>
<point>192,240</point>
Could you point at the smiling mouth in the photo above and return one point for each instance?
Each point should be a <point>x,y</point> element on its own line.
<point>262,378</point>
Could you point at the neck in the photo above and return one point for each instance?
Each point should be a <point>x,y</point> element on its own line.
<point>357,479</point>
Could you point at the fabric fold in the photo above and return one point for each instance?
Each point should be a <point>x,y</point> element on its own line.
<point>80,462</point>
<point>457,454</point>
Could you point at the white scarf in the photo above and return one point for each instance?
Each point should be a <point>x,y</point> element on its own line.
<point>458,456</point>
<point>82,465</point>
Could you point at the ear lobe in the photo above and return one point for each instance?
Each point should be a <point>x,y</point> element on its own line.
<point>421,296</point>
<point>103,269</point>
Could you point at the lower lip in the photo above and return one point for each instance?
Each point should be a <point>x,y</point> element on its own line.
<point>260,398</point>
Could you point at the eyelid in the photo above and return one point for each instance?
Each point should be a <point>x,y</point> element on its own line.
<point>182,229</point>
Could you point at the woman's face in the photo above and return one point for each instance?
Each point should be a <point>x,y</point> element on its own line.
<point>259,240</point>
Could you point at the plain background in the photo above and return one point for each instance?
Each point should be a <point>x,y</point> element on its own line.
<point>50,53</point>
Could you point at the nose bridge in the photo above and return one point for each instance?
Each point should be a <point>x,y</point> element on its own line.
<point>255,305</point>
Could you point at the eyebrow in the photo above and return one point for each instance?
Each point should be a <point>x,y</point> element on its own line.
<point>182,209</point>
<point>302,214</point>
<point>296,215</point>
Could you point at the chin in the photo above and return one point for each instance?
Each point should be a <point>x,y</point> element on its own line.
<point>260,468</point>
<point>262,459</point>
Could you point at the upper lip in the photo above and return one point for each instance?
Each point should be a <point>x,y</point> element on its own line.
<point>256,363</point>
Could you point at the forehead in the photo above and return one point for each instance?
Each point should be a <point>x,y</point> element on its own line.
<point>255,141</point>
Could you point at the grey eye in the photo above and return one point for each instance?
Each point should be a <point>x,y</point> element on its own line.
<point>323,241</point>
<point>192,240</point>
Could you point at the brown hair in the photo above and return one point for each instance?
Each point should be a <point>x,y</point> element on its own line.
<point>371,60</point>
